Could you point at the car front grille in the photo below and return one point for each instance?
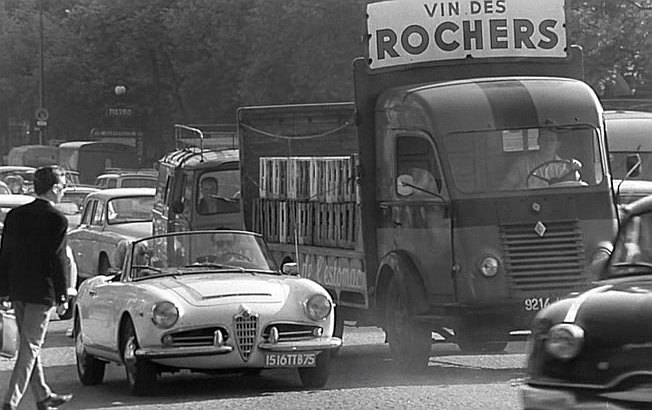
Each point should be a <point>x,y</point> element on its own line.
<point>246,326</point>
<point>196,337</point>
<point>291,332</point>
<point>551,262</point>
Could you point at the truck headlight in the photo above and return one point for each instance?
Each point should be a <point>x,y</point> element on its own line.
<point>564,341</point>
<point>318,307</point>
<point>489,266</point>
<point>165,315</point>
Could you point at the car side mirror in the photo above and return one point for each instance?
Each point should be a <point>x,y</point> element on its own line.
<point>633,165</point>
<point>177,207</point>
<point>290,268</point>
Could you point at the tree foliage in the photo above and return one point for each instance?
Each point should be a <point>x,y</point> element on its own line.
<point>196,61</point>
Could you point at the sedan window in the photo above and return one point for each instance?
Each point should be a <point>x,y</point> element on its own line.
<point>98,215</point>
<point>88,212</point>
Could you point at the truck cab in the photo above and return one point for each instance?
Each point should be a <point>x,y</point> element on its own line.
<point>197,188</point>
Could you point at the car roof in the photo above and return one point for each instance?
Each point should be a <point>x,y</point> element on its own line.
<point>15,200</point>
<point>80,189</point>
<point>128,175</point>
<point>122,192</point>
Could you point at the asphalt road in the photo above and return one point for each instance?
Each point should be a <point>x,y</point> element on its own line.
<point>363,377</point>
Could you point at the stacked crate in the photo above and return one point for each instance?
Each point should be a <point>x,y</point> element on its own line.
<point>312,199</point>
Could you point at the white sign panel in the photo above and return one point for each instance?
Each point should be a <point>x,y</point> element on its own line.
<point>411,31</point>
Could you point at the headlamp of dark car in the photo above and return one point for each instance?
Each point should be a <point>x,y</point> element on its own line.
<point>564,341</point>
<point>165,315</point>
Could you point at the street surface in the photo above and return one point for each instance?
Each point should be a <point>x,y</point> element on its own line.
<point>363,377</point>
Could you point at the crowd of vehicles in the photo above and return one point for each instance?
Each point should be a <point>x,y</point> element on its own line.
<point>399,209</point>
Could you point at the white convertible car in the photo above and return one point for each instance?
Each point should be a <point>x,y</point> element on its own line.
<point>204,301</point>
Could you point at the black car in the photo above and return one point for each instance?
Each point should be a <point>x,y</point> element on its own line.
<point>593,350</point>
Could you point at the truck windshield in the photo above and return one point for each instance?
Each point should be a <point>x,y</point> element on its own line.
<point>523,159</point>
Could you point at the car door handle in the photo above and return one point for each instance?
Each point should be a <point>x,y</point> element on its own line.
<point>92,292</point>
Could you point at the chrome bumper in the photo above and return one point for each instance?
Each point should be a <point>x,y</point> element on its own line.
<point>553,399</point>
<point>173,352</point>
<point>322,343</point>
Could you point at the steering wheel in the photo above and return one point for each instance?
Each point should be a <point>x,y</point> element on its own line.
<point>206,259</point>
<point>234,256</point>
<point>222,257</point>
<point>570,165</point>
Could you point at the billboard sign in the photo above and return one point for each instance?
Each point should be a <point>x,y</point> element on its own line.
<point>404,32</point>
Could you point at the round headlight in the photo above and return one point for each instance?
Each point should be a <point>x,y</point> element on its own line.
<point>489,266</point>
<point>318,307</point>
<point>165,315</point>
<point>564,341</point>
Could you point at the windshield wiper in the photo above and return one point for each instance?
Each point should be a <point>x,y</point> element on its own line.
<point>215,265</point>
<point>154,268</point>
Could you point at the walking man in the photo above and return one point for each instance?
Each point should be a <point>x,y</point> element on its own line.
<point>33,275</point>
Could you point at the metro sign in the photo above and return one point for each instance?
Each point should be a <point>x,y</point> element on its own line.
<point>119,112</point>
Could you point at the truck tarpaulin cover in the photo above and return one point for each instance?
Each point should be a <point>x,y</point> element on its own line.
<point>410,31</point>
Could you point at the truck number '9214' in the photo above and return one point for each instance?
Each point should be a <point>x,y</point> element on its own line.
<point>532,304</point>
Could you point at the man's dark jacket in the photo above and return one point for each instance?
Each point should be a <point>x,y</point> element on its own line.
<point>33,261</point>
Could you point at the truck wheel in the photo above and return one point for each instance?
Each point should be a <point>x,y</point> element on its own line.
<point>315,377</point>
<point>141,374</point>
<point>89,369</point>
<point>409,342</point>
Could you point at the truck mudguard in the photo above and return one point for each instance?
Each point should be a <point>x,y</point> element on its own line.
<point>400,265</point>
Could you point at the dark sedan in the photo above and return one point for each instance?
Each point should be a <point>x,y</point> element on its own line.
<point>594,350</point>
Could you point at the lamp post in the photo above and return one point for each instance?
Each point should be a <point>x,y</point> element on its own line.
<point>42,129</point>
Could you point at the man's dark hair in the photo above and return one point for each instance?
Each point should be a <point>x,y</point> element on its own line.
<point>45,178</point>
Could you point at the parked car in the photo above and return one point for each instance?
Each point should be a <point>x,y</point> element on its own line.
<point>8,202</point>
<point>4,189</point>
<point>139,178</point>
<point>22,185</point>
<point>594,349</point>
<point>204,301</point>
<point>72,203</point>
<point>108,216</point>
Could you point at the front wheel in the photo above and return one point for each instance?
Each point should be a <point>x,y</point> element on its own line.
<point>409,341</point>
<point>141,374</point>
<point>315,377</point>
<point>89,369</point>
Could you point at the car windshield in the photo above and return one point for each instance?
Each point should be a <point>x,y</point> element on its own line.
<point>200,252</point>
<point>139,183</point>
<point>633,249</point>
<point>621,162</point>
<point>130,209</point>
<point>520,159</point>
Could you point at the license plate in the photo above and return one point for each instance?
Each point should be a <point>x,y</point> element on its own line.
<point>291,359</point>
<point>537,303</point>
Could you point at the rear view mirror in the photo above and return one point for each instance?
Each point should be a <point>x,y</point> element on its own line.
<point>290,268</point>
<point>633,165</point>
<point>404,184</point>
